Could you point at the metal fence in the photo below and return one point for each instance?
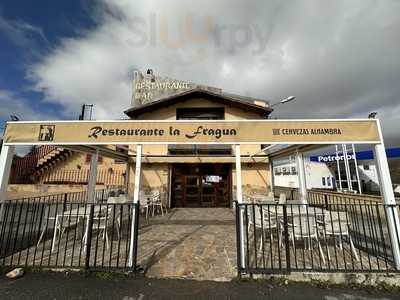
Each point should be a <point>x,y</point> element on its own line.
<point>64,231</point>
<point>320,197</point>
<point>107,177</point>
<point>345,237</point>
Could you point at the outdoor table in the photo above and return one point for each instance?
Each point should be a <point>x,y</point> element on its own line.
<point>259,198</point>
<point>78,213</point>
<point>292,210</point>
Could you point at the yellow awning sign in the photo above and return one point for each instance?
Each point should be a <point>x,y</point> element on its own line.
<point>192,132</point>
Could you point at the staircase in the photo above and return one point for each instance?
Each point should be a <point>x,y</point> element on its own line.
<point>29,168</point>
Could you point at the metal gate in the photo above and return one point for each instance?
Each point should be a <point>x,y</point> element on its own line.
<point>55,232</point>
<point>338,237</point>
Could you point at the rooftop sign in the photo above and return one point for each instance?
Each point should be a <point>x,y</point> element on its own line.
<point>193,132</point>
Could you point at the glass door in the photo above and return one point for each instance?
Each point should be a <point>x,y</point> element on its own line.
<point>192,191</point>
<point>207,192</point>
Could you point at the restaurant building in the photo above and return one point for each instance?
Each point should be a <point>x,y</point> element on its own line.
<point>199,147</point>
<point>202,175</point>
<point>187,175</point>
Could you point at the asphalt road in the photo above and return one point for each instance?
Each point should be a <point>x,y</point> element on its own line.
<point>48,285</point>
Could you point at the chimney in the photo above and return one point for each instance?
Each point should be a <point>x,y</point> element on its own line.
<point>260,103</point>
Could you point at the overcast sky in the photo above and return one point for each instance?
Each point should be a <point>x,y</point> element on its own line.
<point>341,59</point>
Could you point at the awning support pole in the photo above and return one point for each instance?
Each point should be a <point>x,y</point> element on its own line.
<point>127,178</point>
<point>347,168</point>
<point>356,166</point>
<point>338,168</point>
<point>136,193</point>
<point>92,177</point>
<point>301,174</point>
<point>272,173</point>
<point>389,201</point>
<point>6,157</point>
<point>239,197</point>
<point>91,197</point>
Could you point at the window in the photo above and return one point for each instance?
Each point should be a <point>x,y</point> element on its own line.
<point>200,113</point>
<point>323,181</point>
<point>366,167</point>
<point>199,150</point>
<point>294,171</point>
<point>328,181</point>
<point>120,150</point>
<point>89,157</point>
<point>286,170</point>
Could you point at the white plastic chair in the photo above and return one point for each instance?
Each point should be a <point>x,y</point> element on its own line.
<point>106,218</point>
<point>304,228</point>
<point>144,202</point>
<point>335,224</point>
<point>282,198</point>
<point>271,196</point>
<point>156,202</point>
<point>117,200</point>
<point>267,224</point>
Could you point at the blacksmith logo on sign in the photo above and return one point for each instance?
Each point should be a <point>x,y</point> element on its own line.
<point>46,133</point>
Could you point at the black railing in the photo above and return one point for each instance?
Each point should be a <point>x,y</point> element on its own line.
<point>61,232</point>
<point>101,195</point>
<point>320,197</point>
<point>281,238</point>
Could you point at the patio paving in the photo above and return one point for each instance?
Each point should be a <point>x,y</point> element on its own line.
<point>197,243</point>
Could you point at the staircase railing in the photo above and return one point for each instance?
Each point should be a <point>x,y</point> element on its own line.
<point>24,167</point>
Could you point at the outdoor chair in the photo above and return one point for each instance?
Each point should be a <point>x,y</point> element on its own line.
<point>294,203</point>
<point>123,198</point>
<point>112,194</point>
<point>144,202</point>
<point>61,224</point>
<point>156,202</point>
<point>118,216</point>
<point>335,224</point>
<point>260,198</point>
<point>271,196</point>
<point>247,199</point>
<point>106,218</point>
<point>304,228</point>
<point>257,219</point>
<point>282,198</point>
<point>47,220</point>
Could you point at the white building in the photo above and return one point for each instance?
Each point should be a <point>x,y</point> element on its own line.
<point>318,174</point>
<point>365,176</point>
<point>322,171</point>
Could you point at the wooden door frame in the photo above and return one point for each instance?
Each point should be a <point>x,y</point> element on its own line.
<point>200,176</point>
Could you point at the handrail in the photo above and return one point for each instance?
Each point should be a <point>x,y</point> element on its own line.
<point>336,195</point>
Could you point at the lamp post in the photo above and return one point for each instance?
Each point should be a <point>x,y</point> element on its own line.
<point>283,101</point>
<point>286,100</point>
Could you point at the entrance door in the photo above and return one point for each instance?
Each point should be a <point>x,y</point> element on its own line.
<point>201,185</point>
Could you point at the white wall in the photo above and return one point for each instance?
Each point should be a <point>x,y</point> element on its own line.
<point>370,177</point>
<point>315,171</point>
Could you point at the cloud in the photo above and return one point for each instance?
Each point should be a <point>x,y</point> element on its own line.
<point>23,35</point>
<point>339,58</point>
<point>11,104</point>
